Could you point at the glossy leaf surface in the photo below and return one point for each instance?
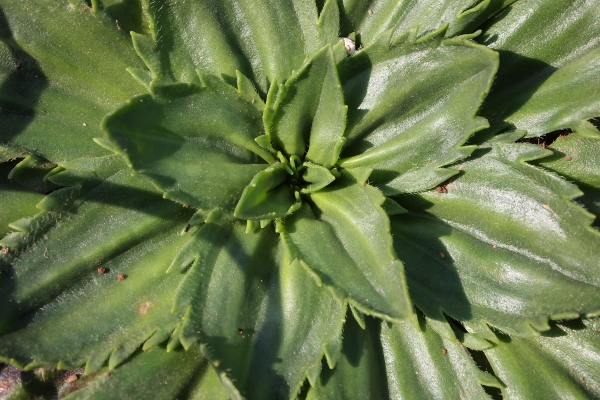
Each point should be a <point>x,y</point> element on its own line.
<point>343,236</point>
<point>404,104</point>
<point>486,248</point>
<point>555,47</point>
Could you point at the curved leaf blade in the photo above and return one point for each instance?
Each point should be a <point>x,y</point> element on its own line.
<point>342,236</point>
<point>486,248</point>
<point>270,329</point>
<point>412,107</point>
<point>555,46</point>
<point>196,144</point>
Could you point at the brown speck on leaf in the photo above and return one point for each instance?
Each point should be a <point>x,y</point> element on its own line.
<point>121,277</point>
<point>494,247</point>
<point>547,207</point>
<point>240,331</point>
<point>71,378</point>
<point>101,270</point>
<point>5,250</point>
<point>568,158</point>
<point>581,378</point>
<point>442,255</point>
<point>441,189</point>
<point>144,307</point>
<point>444,351</point>
<point>187,228</point>
<point>186,206</point>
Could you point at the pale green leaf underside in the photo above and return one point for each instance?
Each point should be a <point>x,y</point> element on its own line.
<point>126,227</point>
<point>487,249</point>
<point>577,157</point>
<point>412,107</point>
<point>55,89</point>
<point>342,235</point>
<point>563,363</point>
<point>196,144</point>
<point>392,361</point>
<point>271,326</point>
<point>157,374</point>
<point>555,47</point>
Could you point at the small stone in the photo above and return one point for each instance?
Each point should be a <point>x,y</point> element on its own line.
<point>444,351</point>
<point>186,206</point>
<point>84,124</point>
<point>101,270</point>
<point>494,247</point>
<point>547,207</point>
<point>5,250</point>
<point>568,158</point>
<point>370,12</point>
<point>442,255</point>
<point>121,277</point>
<point>581,378</point>
<point>240,331</point>
<point>71,378</point>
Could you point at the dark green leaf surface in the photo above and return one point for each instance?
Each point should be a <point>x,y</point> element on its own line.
<point>488,248</point>
<point>156,374</point>
<point>342,236</point>
<point>265,40</point>
<point>125,227</point>
<point>561,364</point>
<point>62,71</point>
<point>549,63</point>
<point>196,144</point>
<point>309,113</point>
<point>577,157</point>
<point>386,361</point>
<point>272,325</point>
<point>412,107</point>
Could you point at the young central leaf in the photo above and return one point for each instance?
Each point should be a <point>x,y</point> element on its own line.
<point>309,111</point>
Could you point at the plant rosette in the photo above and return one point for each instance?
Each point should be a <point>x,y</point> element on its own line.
<point>337,199</point>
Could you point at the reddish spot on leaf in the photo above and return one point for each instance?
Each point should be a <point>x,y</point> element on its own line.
<point>444,351</point>
<point>101,270</point>
<point>121,277</point>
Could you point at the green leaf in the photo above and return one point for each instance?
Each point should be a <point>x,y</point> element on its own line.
<point>577,157</point>
<point>60,78</point>
<point>262,39</point>
<point>400,361</point>
<point>156,374</point>
<point>487,247</point>
<point>554,47</point>
<point>373,18</point>
<point>412,107</point>
<point>197,145</point>
<point>310,112</point>
<point>342,236</point>
<point>55,285</point>
<point>17,202</point>
<point>316,176</point>
<point>267,196</point>
<point>272,325</point>
<point>565,361</point>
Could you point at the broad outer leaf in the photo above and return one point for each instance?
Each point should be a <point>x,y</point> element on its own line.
<point>549,63</point>
<point>412,107</point>
<point>63,68</point>
<point>196,144</point>
<point>577,157</point>
<point>342,236</point>
<point>372,18</point>
<point>400,361</point>
<point>269,329</point>
<point>503,243</point>
<point>265,40</point>
<point>309,115</point>
<point>77,314</point>
<point>156,374</point>
<point>563,363</point>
